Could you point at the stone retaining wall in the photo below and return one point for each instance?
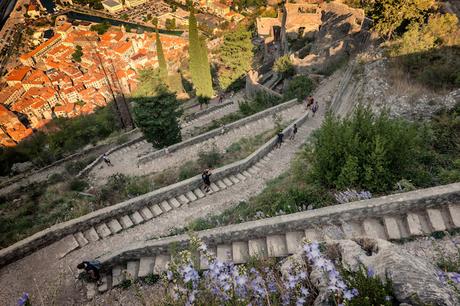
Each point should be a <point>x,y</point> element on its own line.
<point>61,230</point>
<point>97,149</point>
<point>217,132</point>
<point>98,160</point>
<point>436,197</point>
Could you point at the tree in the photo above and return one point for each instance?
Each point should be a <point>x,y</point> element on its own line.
<point>391,15</point>
<point>76,56</point>
<point>298,88</point>
<point>158,118</point>
<point>161,58</point>
<point>283,65</point>
<point>199,64</point>
<point>368,151</point>
<point>236,55</point>
<point>155,21</point>
<point>149,82</point>
<point>170,24</point>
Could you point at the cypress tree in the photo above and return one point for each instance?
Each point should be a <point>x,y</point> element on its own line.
<point>198,57</point>
<point>161,59</point>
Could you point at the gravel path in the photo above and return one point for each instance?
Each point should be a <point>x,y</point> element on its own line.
<point>48,278</point>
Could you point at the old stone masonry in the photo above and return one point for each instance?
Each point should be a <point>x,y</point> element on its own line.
<point>49,271</point>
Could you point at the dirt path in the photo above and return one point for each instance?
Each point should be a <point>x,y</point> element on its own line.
<point>52,280</point>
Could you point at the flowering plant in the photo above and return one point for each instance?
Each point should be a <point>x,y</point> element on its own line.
<point>225,283</point>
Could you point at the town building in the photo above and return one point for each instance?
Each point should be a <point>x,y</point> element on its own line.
<point>112,6</point>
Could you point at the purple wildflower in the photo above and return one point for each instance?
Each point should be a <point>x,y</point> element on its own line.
<point>24,299</point>
<point>370,272</point>
<point>455,277</point>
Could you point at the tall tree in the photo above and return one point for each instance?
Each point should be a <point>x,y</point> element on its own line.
<point>161,58</point>
<point>158,118</point>
<point>199,63</point>
<point>235,56</point>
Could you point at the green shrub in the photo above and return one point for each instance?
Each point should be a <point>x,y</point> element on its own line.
<point>298,88</point>
<point>367,151</point>
<point>210,159</point>
<point>74,167</point>
<point>371,289</point>
<point>138,186</point>
<point>188,170</point>
<point>283,65</point>
<point>78,185</point>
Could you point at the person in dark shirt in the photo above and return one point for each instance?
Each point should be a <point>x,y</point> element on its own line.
<point>279,140</point>
<point>91,268</point>
<point>294,132</point>
<point>206,180</point>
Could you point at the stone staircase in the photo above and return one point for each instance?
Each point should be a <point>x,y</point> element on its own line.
<point>393,217</point>
<point>150,212</point>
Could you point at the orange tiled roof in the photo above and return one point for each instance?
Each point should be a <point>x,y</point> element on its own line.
<point>18,74</point>
<point>41,47</point>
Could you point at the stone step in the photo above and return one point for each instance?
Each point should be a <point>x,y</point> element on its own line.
<point>199,193</point>
<point>332,232</point>
<point>156,210</point>
<point>258,248</point>
<point>165,206</point>
<point>137,218</point>
<point>174,203</point>
<point>234,179</point>
<point>161,263</point>
<point>82,241</point>
<point>204,264</point>
<point>392,228</point>
<point>227,181</point>
<point>241,177</point>
<point>103,231</point>
<point>312,234</point>
<point>191,196</point>
<point>91,290</point>
<point>252,170</point>
<point>276,246</point>
<point>146,213</point>
<point>183,199</point>
<point>91,235</point>
<point>240,252</point>
<point>132,268</point>
<point>414,224</point>
<point>454,212</point>
<point>106,283</point>
<point>117,275</point>
<point>114,226</point>
<point>221,184</point>
<point>294,241</point>
<point>224,252</point>
<point>352,229</point>
<point>436,220</point>
<point>256,168</point>
<point>126,222</point>
<point>146,266</point>
<point>266,159</point>
<point>214,187</point>
<point>246,173</point>
<point>373,228</point>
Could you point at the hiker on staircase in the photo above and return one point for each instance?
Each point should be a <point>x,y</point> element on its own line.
<point>205,176</point>
<point>107,160</point>
<point>91,269</point>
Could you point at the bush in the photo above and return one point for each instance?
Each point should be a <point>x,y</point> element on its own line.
<point>259,103</point>
<point>210,159</point>
<point>371,289</point>
<point>188,170</point>
<point>78,185</point>
<point>298,88</point>
<point>366,151</point>
<point>283,65</point>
